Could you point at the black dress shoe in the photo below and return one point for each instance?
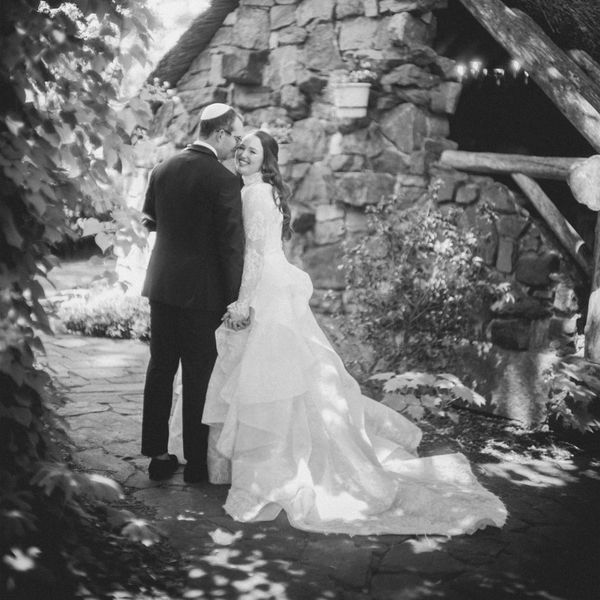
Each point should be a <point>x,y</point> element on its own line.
<point>162,469</point>
<point>195,472</point>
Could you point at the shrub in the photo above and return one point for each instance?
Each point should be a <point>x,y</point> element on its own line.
<point>417,395</point>
<point>574,390</point>
<point>416,286</point>
<point>109,313</point>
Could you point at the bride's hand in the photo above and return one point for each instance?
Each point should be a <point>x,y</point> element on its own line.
<point>233,323</point>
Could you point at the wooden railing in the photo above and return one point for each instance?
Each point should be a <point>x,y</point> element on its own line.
<point>572,84</point>
<point>523,169</point>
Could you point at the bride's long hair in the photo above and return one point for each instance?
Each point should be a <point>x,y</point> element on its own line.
<point>271,174</point>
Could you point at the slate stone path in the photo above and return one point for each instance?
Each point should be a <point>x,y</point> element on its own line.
<point>549,549</point>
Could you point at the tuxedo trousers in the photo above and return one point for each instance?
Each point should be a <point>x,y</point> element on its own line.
<point>186,336</point>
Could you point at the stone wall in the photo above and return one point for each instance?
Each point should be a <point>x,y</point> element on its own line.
<point>272,59</point>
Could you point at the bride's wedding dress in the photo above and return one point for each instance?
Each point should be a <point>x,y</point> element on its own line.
<point>291,430</point>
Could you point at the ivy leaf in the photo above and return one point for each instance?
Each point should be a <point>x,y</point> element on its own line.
<point>139,530</point>
<point>382,376</point>
<point>90,226</point>
<point>13,237</point>
<point>415,411</point>
<point>464,393</point>
<point>14,125</point>
<point>104,240</point>
<point>117,518</point>
<point>101,488</point>
<point>397,401</point>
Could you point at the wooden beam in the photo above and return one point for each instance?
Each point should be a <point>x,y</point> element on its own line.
<point>563,230</point>
<point>587,63</point>
<point>540,167</point>
<point>559,77</point>
<point>592,323</point>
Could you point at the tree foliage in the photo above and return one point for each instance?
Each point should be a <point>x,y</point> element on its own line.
<point>64,132</point>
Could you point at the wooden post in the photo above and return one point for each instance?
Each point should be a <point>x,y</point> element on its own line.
<point>586,62</point>
<point>592,324</point>
<point>563,230</point>
<point>540,167</point>
<point>575,93</point>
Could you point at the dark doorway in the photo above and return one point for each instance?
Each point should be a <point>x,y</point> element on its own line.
<point>501,109</point>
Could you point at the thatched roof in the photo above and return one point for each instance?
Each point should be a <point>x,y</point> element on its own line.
<point>572,24</point>
<point>174,64</point>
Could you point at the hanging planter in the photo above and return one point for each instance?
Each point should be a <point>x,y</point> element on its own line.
<point>350,88</point>
<point>351,99</point>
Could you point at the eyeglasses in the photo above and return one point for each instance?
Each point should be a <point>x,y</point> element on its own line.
<point>237,138</point>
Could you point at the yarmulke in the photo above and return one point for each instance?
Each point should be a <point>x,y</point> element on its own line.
<point>212,111</point>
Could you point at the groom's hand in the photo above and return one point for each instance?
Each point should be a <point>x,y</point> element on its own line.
<point>235,324</point>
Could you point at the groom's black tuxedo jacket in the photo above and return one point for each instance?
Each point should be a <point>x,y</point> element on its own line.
<point>193,202</point>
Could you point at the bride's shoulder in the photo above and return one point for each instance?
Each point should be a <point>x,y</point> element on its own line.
<point>257,191</point>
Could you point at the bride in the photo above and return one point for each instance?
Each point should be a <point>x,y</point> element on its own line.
<point>290,429</point>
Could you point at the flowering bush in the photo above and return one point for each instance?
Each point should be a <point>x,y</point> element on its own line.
<point>359,70</point>
<point>416,287</point>
<point>107,314</point>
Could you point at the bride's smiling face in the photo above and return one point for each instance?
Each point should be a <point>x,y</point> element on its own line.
<point>249,155</point>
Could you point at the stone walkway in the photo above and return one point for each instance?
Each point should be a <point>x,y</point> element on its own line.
<point>549,549</point>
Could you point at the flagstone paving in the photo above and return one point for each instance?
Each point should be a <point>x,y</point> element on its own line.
<point>549,548</point>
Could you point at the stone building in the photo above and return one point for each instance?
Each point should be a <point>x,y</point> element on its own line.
<point>273,59</point>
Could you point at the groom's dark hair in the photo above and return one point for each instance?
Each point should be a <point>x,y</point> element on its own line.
<point>224,121</point>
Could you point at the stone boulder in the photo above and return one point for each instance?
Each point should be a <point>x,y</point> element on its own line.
<point>413,6</point>
<point>249,97</point>
<point>499,198</point>
<point>321,50</point>
<point>362,188</point>
<point>507,254</point>
<point>314,10</point>
<point>282,67</point>
<point>467,193</point>
<point>445,97</point>
<point>194,100</point>
<point>283,15</point>
<point>411,188</point>
<point>405,126</point>
<point>534,270</point>
<point>408,30</point>
<point>243,66</point>
<point>346,162</point>
<point>391,161</point>
<point>309,140</point>
<point>349,8</point>
<point>294,101</point>
<point>354,32</point>
<point>252,28</point>
<point>288,35</point>
<point>315,188</point>
<point>512,226</point>
<point>410,75</point>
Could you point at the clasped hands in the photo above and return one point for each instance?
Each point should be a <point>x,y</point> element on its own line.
<point>236,324</point>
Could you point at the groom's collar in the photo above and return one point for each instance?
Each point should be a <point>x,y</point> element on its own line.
<point>200,145</point>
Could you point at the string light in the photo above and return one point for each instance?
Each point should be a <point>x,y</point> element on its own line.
<point>475,69</point>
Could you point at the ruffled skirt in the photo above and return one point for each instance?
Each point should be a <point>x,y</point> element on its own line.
<point>291,430</point>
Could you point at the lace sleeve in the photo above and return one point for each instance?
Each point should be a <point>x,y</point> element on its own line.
<point>257,203</point>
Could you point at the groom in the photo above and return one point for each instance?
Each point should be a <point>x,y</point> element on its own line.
<point>193,203</point>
